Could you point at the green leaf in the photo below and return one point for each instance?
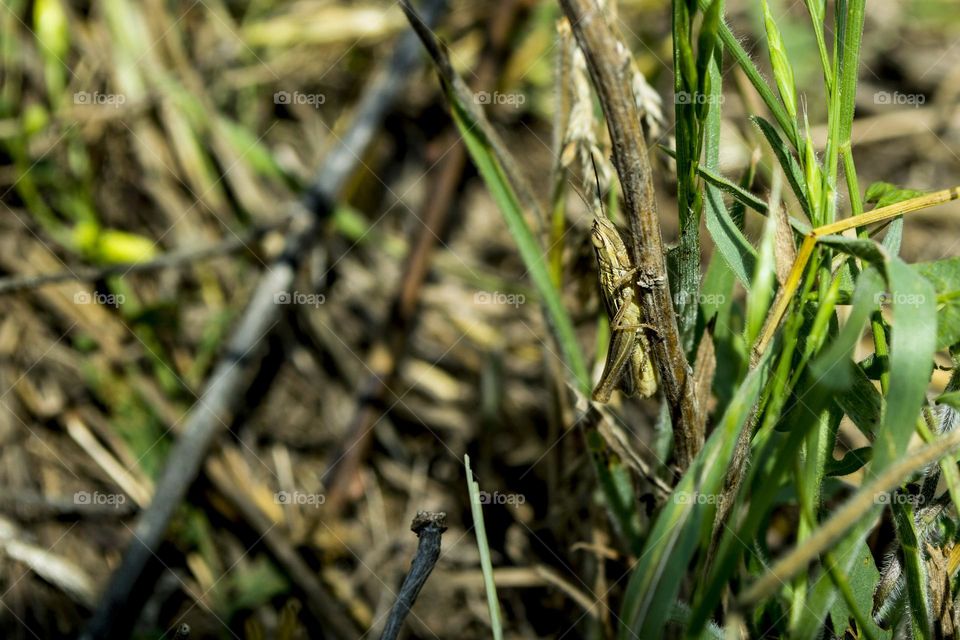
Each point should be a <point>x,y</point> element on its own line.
<point>732,45</point>
<point>817,9</point>
<point>912,346</point>
<point>884,194</point>
<point>706,43</point>
<point>813,176</point>
<point>855,562</point>
<point>853,518</point>
<point>717,303</point>
<point>740,194</point>
<point>728,238</point>
<point>773,458</point>
<point>950,398</point>
<point>851,23</point>
<point>861,402</point>
<point>862,248</point>
<point>944,275</point>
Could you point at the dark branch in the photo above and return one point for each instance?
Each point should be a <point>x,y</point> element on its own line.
<point>429,527</point>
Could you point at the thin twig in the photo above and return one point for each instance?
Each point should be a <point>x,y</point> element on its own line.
<point>429,527</point>
<point>608,61</point>
<point>229,380</point>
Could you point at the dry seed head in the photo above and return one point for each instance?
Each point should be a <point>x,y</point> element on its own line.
<point>649,102</point>
<point>580,139</point>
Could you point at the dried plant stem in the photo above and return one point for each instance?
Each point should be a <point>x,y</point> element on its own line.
<point>608,62</point>
<point>429,527</point>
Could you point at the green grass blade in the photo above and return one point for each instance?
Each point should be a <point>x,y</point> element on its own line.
<point>912,346</point>
<point>530,251</point>
<point>777,454</point>
<point>849,66</point>
<point>764,282</point>
<point>854,565</point>
<point>817,10</point>
<point>476,508</point>
<point>729,239</point>
<point>508,187</point>
<point>780,62</point>
<point>853,515</point>
<point>683,521</point>
<point>833,366</point>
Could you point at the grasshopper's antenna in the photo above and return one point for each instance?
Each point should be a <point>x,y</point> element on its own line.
<point>596,177</point>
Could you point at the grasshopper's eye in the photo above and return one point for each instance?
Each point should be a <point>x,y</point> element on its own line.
<point>597,239</point>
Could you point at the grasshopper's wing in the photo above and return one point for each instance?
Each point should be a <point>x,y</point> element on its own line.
<point>618,366</point>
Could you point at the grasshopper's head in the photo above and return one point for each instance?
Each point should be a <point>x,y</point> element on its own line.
<point>607,242</point>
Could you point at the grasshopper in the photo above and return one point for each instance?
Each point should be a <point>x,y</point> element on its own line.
<point>628,365</point>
